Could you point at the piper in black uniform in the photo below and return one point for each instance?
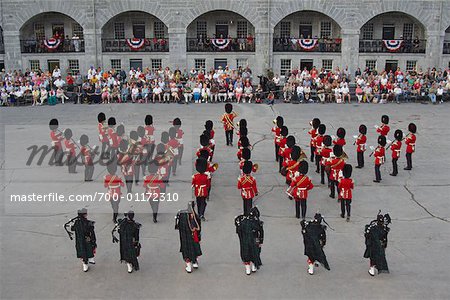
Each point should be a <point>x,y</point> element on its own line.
<point>251,237</point>
<point>314,238</point>
<point>130,247</point>
<point>376,242</point>
<point>85,241</point>
<point>189,226</point>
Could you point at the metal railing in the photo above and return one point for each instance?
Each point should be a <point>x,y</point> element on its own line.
<point>42,46</point>
<point>446,47</point>
<point>220,45</point>
<point>135,45</point>
<point>392,46</point>
<point>306,45</point>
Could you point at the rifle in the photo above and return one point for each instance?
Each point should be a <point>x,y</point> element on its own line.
<point>70,234</point>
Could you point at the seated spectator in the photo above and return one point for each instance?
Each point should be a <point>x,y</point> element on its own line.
<point>197,92</point>
<point>105,95</point>
<point>43,95</point>
<point>206,93</point>
<point>248,92</point>
<point>157,92</point>
<point>238,91</point>
<point>345,93</point>
<point>61,95</point>
<point>36,95</point>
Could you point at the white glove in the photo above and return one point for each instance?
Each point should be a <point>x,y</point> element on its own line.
<point>372,147</point>
<point>355,136</point>
<point>376,126</point>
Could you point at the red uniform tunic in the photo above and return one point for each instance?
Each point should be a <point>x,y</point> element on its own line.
<point>227,120</point>
<point>361,143</point>
<point>163,162</point>
<point>86,154</point>
<point>102,136</point>
<point>113,138</point>
<point>56,138</point>
<point>336,165</point>
<point>313,133</point>
<point>70,148</point>
<point>200,184</point>
<point>383,129</point>
<point>126,163</point>
<point>173,146</point>
<point>326,152</point>
<point>340,142</point>
<point>153,185</point>
<point>276,130</point>
<point>180,134</point>
<point>247,185</point>
<point>345,187</point>
<point>300,186</point>
<point>410,142</point>
<point>379,155</point>
<point>291,168</point>
<point>285,153</point>
<point>319,144</point>
<point>113,183</point>
<point>149,134</point>
<point>395,148</point>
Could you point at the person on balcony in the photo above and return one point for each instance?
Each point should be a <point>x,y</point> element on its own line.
<point>76,43</point>
<point>250,41</point>
<point>416,44</point>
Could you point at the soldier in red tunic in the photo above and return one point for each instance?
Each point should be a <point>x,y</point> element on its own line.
<point>243,132</point>
<point>144,158</point>
<point>281,145</point>
<point>285,153</point>
<point>279,122</point>
<point>114,184</point>
<point>179,136</point>
<point>126,163</point>
<point>56,138</point>
<point>204,142</point>
<point>379,154</point>
<point>410,141</point>
<point>360,143</point>
<point>299,189</point>
<point>340,140</point>
<point>245,144</point>
<point>201,185</point>
<point>383,129</point>
<point>113,138</point>
<point>153,186</point>
<point>103,135</point>
<point>173,145</point>
<point>335,164</point>
<point>70,150</point>
<point>135,151</point>
<point>209,128</point>
<point>163,160</point>
<point>326,153</point>
<point>318,142</point>
<point>291,166</point>
<point>346,185</point>
<point>313,133</point>
<point>246,156</point>
<point>227,120</point>
<point>395,148</point>
<point>247,184</point>
<point>87,154</point>
<point>149,135</point>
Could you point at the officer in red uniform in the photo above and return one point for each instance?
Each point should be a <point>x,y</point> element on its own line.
<point>87,153</point>
<point>395,148</point>
<point>318,142</point>
<point>379,154</point>
<point>144,158</point>
<point>299,189</point>
<point>326,153</point>
<point>313,133</point>
<point>227,120</point>
<point>149,135</point>
<point>340,140</point>
<point>346,185</point>
<point>70,150</point>
<point>247,184</point>
<point>201,185</point>
<point>179,136</point>
<point>276,130</point>
<point>113,138</point>
<point>410,141</point>
<point>335,164</point>
<point>56,138</point>
<point>360,143</point>
<point>103,135</point>
<point>114,184</point>
<point>384,128</point>
<point>153,186</point>
<point>173,145</point>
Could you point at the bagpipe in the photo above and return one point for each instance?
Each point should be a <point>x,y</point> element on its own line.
<point>116,228</point>
<point>69,233</point>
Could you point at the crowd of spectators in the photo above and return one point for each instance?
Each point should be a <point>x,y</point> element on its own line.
<point>223,85</point>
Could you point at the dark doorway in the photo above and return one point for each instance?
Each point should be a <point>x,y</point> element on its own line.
<point>136,63</point>
<point>221,31</point>
<point>139,31</point>
<point>306,63</point>
<point>391,65</point>
<point>305,31</point>
<point>58,29</point>
<point>220,62</point>
<point>52,64</point>
<point>388,32</point>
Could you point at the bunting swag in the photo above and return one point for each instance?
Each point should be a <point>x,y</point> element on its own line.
<point>393,45</point>
<point>52,43</point>
<point>135,44</point>
<point>307,44</point>
<point>220,43</point>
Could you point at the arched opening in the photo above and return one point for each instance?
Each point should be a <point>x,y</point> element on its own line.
<point>307,31</point>
<point>135,31</point>
<point>220,31</point>
<point>447,41</point>
<point>51,32</point>
<point>392,32</point>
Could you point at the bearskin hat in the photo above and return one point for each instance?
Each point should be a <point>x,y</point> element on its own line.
<point>53,124</point>
<point>279,121</point>
<point>295,153</point>
<point>243,131</point>
<point>68,133</point>
<point>382,140</point>
<point>207,133</point>
<point>284,131</point>
<point>290,141</point>
<point>134,135</point>
<point>244,142</point>
<point>101,117</point>
<point>111,167</point>
<point>340,133</point>
<point>242,123</point>
<point>172,132</point>
<point>141,131</point>
<point>246,154</point>
<point>164,137</point>
<point>84,140</point>
<point>209,125</point>
<point>398,134</point>
<point>176,122</point>
<point>204,140</point>
<point>204,154</point>
<point>412,128</point>
<point>148,120</point>
<point>315,123</point>
<point>111,121</point>
<point>303,167</point>
<point>337,150</point>
<point>363,129</point>
<point>327,140</point>
<point>201,164</point>
<point>385,119</point>
<point>161,148</point>
<point>322,129</point>
<point>347,171</point>
<point>123,146</point>
<point>247,168</point>
<point>228,108</point>
<point>120,130</point>
<point>153,167</point>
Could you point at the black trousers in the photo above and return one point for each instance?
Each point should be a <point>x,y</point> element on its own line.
<point>105,150</point>
<point>229,137</point>
<point>174,165</point>
<point>280,163</point>
<point>154,204</point>
<point>394,166</point>
<point>300,204</point>
<point>322,174</point>
<point>333,184</point>
<point>277,148</point>
<point>346,204</point>
<point>57,156</point>
<point>247,204</point>
<point>137,171</point>
<point>115,208</point>
<point>377,172</point>
<point>180,153</point>
<point>88,172</point>
<point>129,182</point>
<point>201,206</point>
<point>313,149</point>
<point>318,159</point>
<point>360,158</point>
<point>72,163</point>
<point>409,160</point>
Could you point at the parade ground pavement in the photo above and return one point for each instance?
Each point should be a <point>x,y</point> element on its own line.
<point>38,260</point>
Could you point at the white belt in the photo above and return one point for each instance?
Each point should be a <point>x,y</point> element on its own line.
<point>180,141</point>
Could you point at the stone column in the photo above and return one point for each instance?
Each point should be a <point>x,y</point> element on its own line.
<point>350,48</point>
<point>263,50</point>
<point>177,48</point>
<point>13,55</point>
<point>434,50</point>
<point>92,49</point>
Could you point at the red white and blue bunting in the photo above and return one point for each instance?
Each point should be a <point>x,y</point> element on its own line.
<point>393,45</point>
<point>135,44</point>
<point>52,43</point>
<point>220,43</point>
<point>305,44</point>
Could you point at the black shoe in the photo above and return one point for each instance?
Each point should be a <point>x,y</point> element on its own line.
<point>407,169</point>
<point>331,196</point>
<point>322,182</point>
<point>154,220</point>
<point>358,167</point>
<point>342,216</point>
<point>376,181</point>
<point>317,171</point>
<point>393,174</point>
<point>348,219</point>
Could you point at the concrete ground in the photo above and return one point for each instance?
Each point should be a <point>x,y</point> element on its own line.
<point>38,260</point>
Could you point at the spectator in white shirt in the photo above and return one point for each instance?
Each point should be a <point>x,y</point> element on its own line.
<point>157,91</point>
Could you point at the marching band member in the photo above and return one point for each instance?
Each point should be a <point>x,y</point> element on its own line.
<point>149,135</point>
<point>113,138</point>
<point>279,122</point>
<point>173,145</point>
<point>70,150</point>
<point>376,239</point>
<point>340,140</point>
<point>201,185</point>
<point>346,185</point>
<point>318,143</point>
<point>314,239</point>
<point>154,186</point>
<point>410,142</point>
<point>180,133</point>
<point>325,153</point>
<point>313,133</point>
<point>281,145</point>
<point>87,154</point>
<point>395,148</point>
<point>227,120</point>
<point>56,138</point>
<point>299,189</point>
<point>383,129</point>
<point>247,184</point>
<point>204,142</point>
<point>102,135</point>
<point>114,184</point>
<point>360,142</point>
<point>379,154</point>
<point>335,164</point>
<point>126,162</point>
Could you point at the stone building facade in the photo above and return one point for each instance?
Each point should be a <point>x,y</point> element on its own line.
<point>281,34</point>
